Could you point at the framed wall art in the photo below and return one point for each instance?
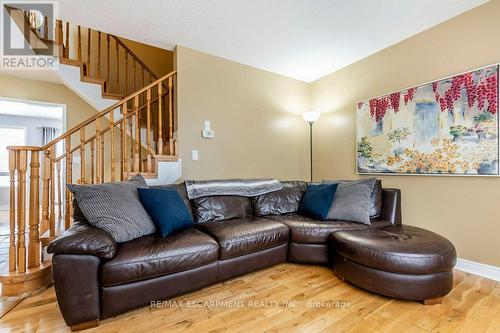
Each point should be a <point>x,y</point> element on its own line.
<point>445,127</point>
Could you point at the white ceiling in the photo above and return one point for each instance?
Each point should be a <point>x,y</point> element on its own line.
<point>302,39</point>
<point>31,109</point>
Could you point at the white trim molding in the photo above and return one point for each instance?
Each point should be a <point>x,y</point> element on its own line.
<point>488,271</point>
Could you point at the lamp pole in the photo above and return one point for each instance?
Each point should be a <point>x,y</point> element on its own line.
<point>310,118</point>
<point>311,147</point>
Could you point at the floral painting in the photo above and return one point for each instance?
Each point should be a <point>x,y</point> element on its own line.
<point>447,127</point>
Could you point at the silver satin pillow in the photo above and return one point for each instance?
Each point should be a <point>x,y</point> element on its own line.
<point>352,201</point>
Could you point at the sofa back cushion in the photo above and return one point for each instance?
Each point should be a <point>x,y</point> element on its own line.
<point>218,208</point>
<point>284,201</point>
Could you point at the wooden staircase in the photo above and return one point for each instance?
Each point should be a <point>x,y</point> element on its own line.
<point>108,146</point>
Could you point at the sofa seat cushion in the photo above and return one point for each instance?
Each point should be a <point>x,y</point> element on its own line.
<point>151,256</point>
<point>402,249</point>
<point>306,230</point>
<point>241,236</point>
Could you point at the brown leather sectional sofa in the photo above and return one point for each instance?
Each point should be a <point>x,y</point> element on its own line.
<point>97,278</point>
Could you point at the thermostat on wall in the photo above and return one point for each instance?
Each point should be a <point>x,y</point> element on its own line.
<point>207,133</point>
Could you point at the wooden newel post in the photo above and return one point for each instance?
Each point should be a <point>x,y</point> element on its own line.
<point>69,180</point>
<point>21,211</point>
<point>12,212</point>
<point>34,212</point>
<point>45,190</point>
<point>52,197</point>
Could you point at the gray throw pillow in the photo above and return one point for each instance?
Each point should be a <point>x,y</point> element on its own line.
<point>115,208</point>
<point>352,201</point>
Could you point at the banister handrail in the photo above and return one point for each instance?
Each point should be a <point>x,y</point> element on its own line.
<point>104,112</point>
<point>103,131</point>
<point>135,56</point>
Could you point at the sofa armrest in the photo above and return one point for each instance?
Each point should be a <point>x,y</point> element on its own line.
<point>391,205</point>
<point>82,238</point>
<point>76,282</point>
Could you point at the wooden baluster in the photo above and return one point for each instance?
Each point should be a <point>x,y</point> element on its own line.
<point>143,85</point>
<point>98,65</point>
<point>102,159</point>
<point>69,180</point>
<point>45,191</point>
<point>131,130</point>
<point>59,36</point>
<point>79,43</point>
<point>121,152</point>
<point>46,28</point>
<point>133,69</point>
<point>89,37</point>
<point>148,128</point>
<point>59,191</point>
<point>108,82</point>
<point>92,178</point>
<point>170,116</point>
<point>98,154</point>
<point>137,154</point>
<point>52,198</point>
<point>21,210</point>
<point>83,165</point>
<point>160,122</point>
<point>12,211</point>
<point>66,49</point>
<point>126,73</point>
<point>124,141</point>
<point>34,213</point>
<point>112,147</point>
<point>117,67</point>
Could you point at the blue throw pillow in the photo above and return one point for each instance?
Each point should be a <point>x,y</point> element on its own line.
<point>317,200</point>
<point>166,208</point>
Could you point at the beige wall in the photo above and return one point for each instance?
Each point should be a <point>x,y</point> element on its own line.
<point>77,109</point>
<point>160,61</point>
<point>462,209</point>
<point>256,116</point>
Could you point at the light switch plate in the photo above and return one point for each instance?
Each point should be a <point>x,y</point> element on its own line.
<point>194,155</point>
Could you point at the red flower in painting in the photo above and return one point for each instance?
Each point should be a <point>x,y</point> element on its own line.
<point>434,87</point>
<point>394,99</point>
<point>410,93</point>
<point>478,86</point>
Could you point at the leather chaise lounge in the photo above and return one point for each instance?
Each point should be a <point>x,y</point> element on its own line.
<point>97,278</point>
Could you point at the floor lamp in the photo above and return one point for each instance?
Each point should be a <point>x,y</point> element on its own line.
<point>311,117</point>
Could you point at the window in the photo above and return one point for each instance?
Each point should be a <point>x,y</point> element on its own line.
<point>11,136</point>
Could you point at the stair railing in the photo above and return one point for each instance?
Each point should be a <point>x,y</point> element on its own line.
<point>104,57</point>
<point>108,147</point>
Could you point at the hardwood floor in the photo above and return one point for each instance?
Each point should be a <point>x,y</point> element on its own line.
<point>276,300</point>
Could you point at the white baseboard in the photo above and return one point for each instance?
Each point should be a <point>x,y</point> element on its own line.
<point>487,271</point>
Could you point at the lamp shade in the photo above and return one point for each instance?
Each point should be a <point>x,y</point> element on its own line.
<point>310,117</point>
